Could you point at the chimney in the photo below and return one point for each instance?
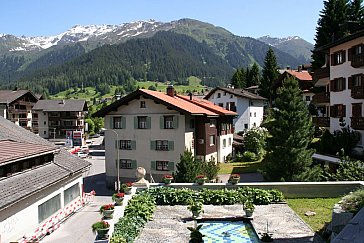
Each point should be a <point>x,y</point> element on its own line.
<point>61,102</point>
<point>170,90</point>
<point>190,94</point>
<point>299,68</point>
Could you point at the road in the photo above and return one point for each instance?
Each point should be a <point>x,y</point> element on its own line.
<point>77,229</point>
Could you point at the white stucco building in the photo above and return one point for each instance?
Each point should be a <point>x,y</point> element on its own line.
<point>249,106</point>
<point>152,129</point>
<point>342,79</point>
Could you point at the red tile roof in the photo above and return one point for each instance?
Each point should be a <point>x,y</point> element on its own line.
<point>208,105</point>
<point>11,150</point>
<point>302,75</point>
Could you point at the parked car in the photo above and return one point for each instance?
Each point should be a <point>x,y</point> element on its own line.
<point>82,154</point>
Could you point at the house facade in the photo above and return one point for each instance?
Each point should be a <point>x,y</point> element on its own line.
<point>59,118</point>
<point>341,82</point>
<point>248,106</point>
<point>17,107</point>
<point>151,129</point>
<point>40,184</point>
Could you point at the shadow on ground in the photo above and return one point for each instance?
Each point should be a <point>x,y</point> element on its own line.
<point>97,183</point>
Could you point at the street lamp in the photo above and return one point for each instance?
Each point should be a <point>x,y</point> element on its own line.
<point>117,161</point>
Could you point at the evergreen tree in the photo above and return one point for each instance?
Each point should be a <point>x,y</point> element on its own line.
<point>331,26</point>
<point>188,168</point>
<point>291,130</point>
<point>254,75</point>
<point>238,79</point>
<point>270,75</point>
<point>355,15</point>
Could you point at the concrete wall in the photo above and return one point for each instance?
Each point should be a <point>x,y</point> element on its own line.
<point>289,189</point>
<point>22,218</point>
<point>223,152</point>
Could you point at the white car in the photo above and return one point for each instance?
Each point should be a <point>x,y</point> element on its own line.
<point>82,154</point>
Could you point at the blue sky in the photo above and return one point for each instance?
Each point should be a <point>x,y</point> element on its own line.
<point>255,18</point>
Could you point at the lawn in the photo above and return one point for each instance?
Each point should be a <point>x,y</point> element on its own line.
<point>322,207</point>
<point>240,167</point>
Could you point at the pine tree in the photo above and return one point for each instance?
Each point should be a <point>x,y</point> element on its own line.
<point>355,15</point>
<point>291,130</point>
<point>188,168</point>
<point>254,75</point>
<point>238,79</point>
<point>331,26</point>
<point>270,75</point>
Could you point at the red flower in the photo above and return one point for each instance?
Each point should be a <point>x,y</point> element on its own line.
<point>107,207</point>
<point>129,184</point>
<point>106,224</point>
<point>119,195</point>
<point>200,177</point>
<point>168,176</point>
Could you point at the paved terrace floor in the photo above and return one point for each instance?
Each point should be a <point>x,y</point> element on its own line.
<point>170,223</point>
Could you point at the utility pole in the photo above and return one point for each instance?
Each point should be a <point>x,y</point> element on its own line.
<point>117,161</point>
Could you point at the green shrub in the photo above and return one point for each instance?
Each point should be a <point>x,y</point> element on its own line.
<point>249,156</point>
<point>354,201</point>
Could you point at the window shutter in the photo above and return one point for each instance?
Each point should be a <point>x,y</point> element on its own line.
<point>344,110</point>
<point>343,80</point>
<point>332,82</point>
<point>344,56</point>
<point>175,121</point>
<point>170,145</point>
<point>123,122</point>
<point>161,122</point>
<point>350,82</point>
<point>332,57</point>
<point>332,111</point>
<point>350,53</point>
<point>149,122</point>
<point>133,164</point>
<point>116,164</point>
<point>153,145</point>
<point>170,166</point>
<point>111,122</point>
<point>133,144</point>
<point>135,122</point>
<point>153,165</point>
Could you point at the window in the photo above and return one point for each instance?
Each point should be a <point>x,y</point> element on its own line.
<point>245,126</point>
<point>117,122</point>
<point>250,114</point>
<point>162,145</point>
<point>338,58</point>
<point>356,110</point>
<point>168,122</point>
<point>125,144</point>
<point>358,50</point>
<point>218,95</point>
<point>231,96</point>
<point>162,165</point>
<point>308,98</point>
<point>251,103</point>
<point>229,141</point>
<point>221,104</point>
<point>125,164</point>
<point>254,124</point>
<point>44,132</point>
<point>212,122</point>
<point>142,122</point>
<point>338,110</point>
<point>224,143</point>
<point>225,93</point>
<point>338,84</point>
<point>142,104</point>
<point>255,114</point>
<point>68,123</point>
<point>357,80</point>
<point>71,193</point>
<point>212,140</point>
<point>49,207</point>
<point>232,106</point>
<point>22,123</point>
<point>45,123</point>
<point>23,115</point>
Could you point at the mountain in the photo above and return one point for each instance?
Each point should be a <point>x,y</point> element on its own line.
<point>23,58</point>
<point>293,45</point>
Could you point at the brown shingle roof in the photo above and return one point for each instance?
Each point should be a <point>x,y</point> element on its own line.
<point>8,96</point>
<point>11,150</point>
<point>238,92</point>
<point>61,105</point>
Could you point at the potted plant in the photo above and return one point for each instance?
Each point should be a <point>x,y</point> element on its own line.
<point>249,208</point>
<point>118,198</point>
<point>200,179</point>
<point>127,187</point>
<point>107,210</point>
<point>196,207</point>
<point>101,228</point>
<point>234,178</point>
<point>167,179</point>
<point>196,236</point>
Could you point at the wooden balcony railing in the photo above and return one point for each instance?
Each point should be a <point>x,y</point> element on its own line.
<point>357,92</point>
<point>357,123</point>
<point>322,97</point>
<point>357,60</point>
<point>321,73</point>
<point>321,121</point>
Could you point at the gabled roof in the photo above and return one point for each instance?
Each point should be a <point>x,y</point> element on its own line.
<point>300,75</point>
<point>11,150</point>
<point>209,105</point>
<point>9,96</point>
<point>178,103</point>
<point>340,41</point>
<point>238,92</point>
<point>61,105</point>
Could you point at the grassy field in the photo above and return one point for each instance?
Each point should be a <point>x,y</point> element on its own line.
<point>322,207</point>
<point>240,167</point>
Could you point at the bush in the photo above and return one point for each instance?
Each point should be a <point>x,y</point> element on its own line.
<point>354,201</point>
<point>249,156</point>
<point>349,170</point>
<point>254,140</point>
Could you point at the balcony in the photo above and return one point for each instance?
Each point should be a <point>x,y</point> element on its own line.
<point>319,98</point>
<point>321,121</point>
<point>321,74</point>
<point>357,61</point>
<point>357,92</point>
<point>357,123</point>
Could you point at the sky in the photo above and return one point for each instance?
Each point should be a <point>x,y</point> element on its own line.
<point>254,18</point>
